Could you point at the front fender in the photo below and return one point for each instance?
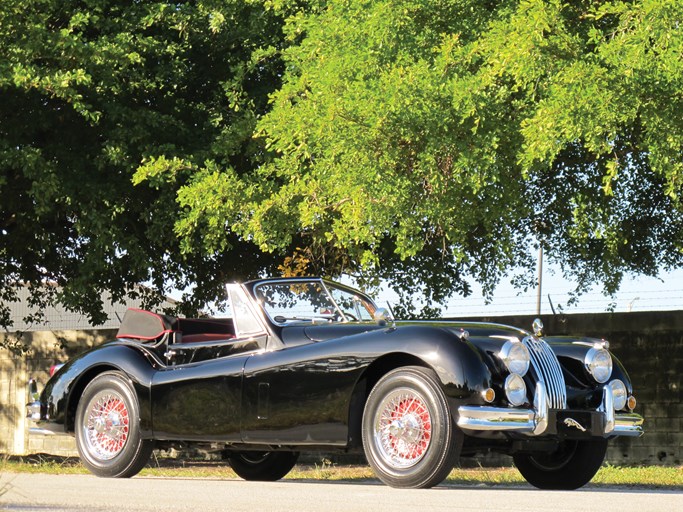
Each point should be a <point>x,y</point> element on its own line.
<point>62,392</point>
<point>571,353</point>
<point>456,361</point>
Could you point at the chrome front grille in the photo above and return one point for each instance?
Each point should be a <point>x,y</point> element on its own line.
<point>548,371</point>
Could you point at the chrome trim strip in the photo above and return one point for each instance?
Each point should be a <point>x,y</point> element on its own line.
<point>541,407</point>
<point>607,407</point>
<point>628,424</point>
<point>496,418</point>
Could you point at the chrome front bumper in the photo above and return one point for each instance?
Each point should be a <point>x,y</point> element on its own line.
<point>535,421</point>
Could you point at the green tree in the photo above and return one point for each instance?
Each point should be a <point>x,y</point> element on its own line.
<point>445,138</point>
<point>90,92</point>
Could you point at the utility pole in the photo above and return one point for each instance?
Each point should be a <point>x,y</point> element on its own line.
<point>540,279</point>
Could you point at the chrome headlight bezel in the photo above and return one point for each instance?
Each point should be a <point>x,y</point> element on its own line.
<point>598,363</point>
<point>515,389</point>
<point>619,394</point>
<point>516,357</point>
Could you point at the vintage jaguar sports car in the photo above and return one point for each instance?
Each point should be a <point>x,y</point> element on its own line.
<point>307,364</point>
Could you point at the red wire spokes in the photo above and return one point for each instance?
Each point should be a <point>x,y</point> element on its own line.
<point>407,428</point>
<point>108,425</point>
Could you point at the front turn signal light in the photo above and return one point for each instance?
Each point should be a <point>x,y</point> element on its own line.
<point>489,395</point>
<point>631,402</point>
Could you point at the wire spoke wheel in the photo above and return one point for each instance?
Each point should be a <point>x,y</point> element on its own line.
<point>409,436</point>
<point>107,425</point>
<point>403,427</point>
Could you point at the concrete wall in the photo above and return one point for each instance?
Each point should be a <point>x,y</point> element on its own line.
<point>47,348</point>
<point>649,344</point>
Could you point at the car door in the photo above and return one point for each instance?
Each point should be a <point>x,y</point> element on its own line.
<point>200,399</point>
<point>301,395</point>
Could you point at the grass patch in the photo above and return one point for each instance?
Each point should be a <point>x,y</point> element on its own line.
<point>42,464</point>
<point>648,477</point>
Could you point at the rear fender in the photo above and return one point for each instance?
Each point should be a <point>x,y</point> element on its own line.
<point>62,392</point>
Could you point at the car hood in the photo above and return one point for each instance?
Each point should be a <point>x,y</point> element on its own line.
<point>475,329</point>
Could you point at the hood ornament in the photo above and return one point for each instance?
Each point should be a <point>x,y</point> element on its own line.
<point>537,327</point>
<point>571,422</point>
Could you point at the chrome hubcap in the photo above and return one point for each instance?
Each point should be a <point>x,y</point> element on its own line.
<point>403,428</point>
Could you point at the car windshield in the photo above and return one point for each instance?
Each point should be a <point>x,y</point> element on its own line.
<point>314,302</point>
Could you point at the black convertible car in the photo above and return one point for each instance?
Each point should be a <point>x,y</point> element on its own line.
<point>307,364</point>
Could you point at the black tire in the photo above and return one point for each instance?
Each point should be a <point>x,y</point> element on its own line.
<point>571,466</point>
<point>108,428</point>
<point>262,466</point>
<point>409,436</point>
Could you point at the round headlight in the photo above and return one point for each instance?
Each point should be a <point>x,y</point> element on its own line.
<point>516,357</point>
<point>619,394</point>
<point>515,389</point>
<point>599,364</point>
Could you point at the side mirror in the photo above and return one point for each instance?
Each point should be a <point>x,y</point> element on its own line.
<point>383,317</point>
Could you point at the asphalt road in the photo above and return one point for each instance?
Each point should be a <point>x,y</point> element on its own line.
<point>41,493</point>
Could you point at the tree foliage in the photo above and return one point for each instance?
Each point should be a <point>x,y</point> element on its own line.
<point>90,92</point>
<point>444,138</point>
<point>423,143</point>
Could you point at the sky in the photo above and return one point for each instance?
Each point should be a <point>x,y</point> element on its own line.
<point>635,294</point>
